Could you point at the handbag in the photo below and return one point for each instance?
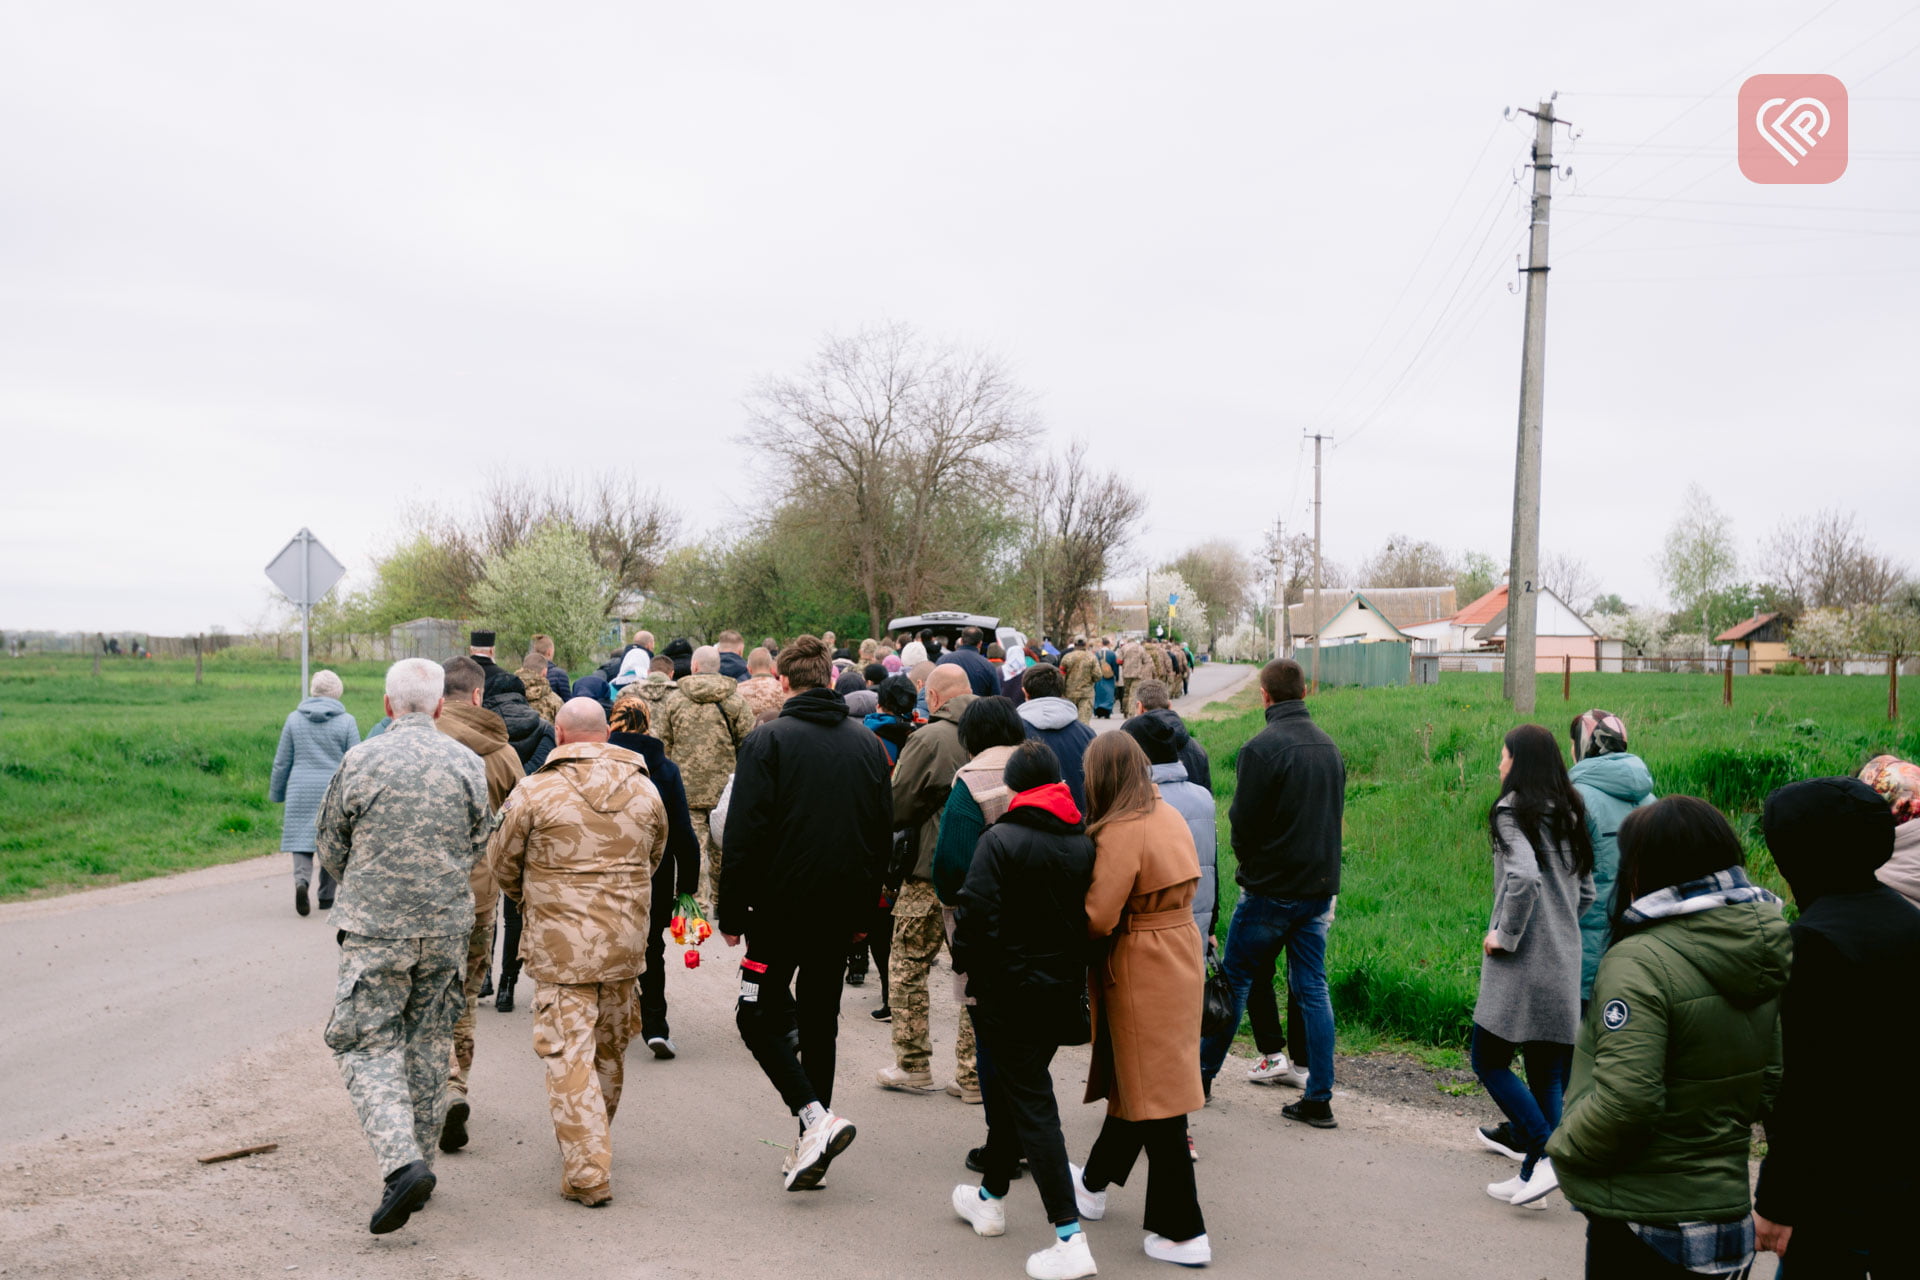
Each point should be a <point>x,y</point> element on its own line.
<point>1217,1014</point>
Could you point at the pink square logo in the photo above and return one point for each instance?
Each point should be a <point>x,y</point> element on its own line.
<point>1793,129</point>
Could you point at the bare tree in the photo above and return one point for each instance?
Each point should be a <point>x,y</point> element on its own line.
<point>1087,519</point>
<point>1824,561</point>
<point>628,529</point>
<point>1220,575</point>
<point>1408,562</point>
<point>880,439</point>
<point>1569,578</point>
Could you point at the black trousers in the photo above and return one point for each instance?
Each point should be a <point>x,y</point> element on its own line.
<point>1173,1200</point>
<point>1867,1237</point>
<point>788,1012</point>
<point>1615,1253</point>
<point>1269,1033</point>
<point>653,979</point>
<point>879,944</point>
<point>510,947</point>
<point>1023,1117</point>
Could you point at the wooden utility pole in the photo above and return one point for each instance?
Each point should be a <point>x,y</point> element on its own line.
<point>1317,620</point>
<point>1523,571</point>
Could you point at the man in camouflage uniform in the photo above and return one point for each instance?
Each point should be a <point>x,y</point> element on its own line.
<point>402,822</point>
<point>761,688</point>
<point>701,730</point>
<point>540,694</point>
<point>1135,666</point>
<point>1162,666</point>
<point>578,844</point>
<point>482,732</point>
<point>922,779</point>
<point>1077,666</point>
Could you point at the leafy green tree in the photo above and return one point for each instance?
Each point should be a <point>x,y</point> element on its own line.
<point>550,582</point>
<point>1477,574</point>
<point>1699,561</point>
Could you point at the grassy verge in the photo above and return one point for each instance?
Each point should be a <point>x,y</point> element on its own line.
<point>1417,881</point>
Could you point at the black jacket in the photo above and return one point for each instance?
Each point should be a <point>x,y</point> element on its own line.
<point>733,666</point>
<point>810,826</point>
<point>1287,805</point>
<point>1834,1150</point>
<point>679,871</point>
<point>1021,931</point>
<point>560,682</point>
<point>530,736</point>
<point>496,675</point>
<point>980,673</point>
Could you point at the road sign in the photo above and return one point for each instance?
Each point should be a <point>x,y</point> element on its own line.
<point>305,571</point>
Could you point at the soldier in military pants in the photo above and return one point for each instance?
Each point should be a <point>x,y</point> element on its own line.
<point>393,1013</point>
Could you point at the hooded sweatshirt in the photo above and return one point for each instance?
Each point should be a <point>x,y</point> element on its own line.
<point>1056,722</point>
<point>315,738</point>
<point>1678,1056</point>
<point>1833,1144</point>
<point>1612,786</point>
<point>485,734</point>
<point>1020,934</point>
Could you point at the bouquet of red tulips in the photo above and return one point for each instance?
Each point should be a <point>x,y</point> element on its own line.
<point>689,929</point>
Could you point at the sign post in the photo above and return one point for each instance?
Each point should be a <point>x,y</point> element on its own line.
<point>305,571</point>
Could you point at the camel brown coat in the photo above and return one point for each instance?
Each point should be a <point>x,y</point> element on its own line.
<point>1147,990</point>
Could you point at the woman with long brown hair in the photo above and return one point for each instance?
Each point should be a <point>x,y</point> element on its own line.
<point>1146,999</point>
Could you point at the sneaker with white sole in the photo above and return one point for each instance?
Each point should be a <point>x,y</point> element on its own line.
<point>822,1141</point>
<point>663,1047</point>
<point>988,1217</point>
<point>904,1080</point>
<point>1269,1068</point>
<point>1068,1259</point>
<point>1196,1252</point>
<point>1500,1140</point>
<point>1506,1190</point>
<point>1544,1182</point>
<point>1091,1204</point>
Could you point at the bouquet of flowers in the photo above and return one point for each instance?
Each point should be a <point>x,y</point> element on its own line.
<point>689,929</point>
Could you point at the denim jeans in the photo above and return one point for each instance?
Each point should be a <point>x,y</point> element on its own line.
<point>1533,1107</point>
<point>1261,928</point>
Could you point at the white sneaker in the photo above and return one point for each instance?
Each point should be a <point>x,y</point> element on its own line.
<point>663,1048</point>
<point>989,1217</point>
<point>1506,1190</point>
<point>821,1142</point>
<point>1068,1259</point>
<point>1091,1204</point>
<point>1543,1182</point>
<point>1185,1253</point>
<point>1270,1068</point>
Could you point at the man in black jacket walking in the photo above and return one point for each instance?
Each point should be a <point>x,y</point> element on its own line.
<point>1287,807</point>
<point>807,840</point>
<point>1838,1182</point>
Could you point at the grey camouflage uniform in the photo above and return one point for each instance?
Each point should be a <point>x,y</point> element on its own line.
<point>403,821</point>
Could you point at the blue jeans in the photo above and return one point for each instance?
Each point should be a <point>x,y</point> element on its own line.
<point>1261,928</point>
<point>1533,1107</point>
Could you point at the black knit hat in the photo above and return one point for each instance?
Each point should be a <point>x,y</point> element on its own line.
<point>1160,734</point>
<point>1827,835</point>
<point>481,640</point>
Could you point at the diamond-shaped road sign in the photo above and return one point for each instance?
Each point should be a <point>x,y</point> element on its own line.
<point>304,570</point>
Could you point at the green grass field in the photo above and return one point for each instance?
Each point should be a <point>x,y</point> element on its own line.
<point>1417,883</point>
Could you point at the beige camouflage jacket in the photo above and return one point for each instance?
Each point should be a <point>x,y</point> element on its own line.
<point>1162,665</point>
<point>1134,664</point>
<point>1077,666</point>
<point>540,694</point>
<point>577,847</point>
<point>701,729</point>
<point>763,697</point>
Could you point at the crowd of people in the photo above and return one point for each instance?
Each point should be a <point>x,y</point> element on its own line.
<point>836,810</point>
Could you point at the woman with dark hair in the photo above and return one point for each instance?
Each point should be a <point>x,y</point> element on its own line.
<point>1020,935</point>
<point>1530,975</point>
<point>1679,1054</point>
<point>1146,999</point>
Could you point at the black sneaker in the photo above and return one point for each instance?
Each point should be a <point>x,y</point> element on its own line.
<point>977,1161</point>
<point>407,1190</point>
<point>300,899</point>
<point>882,1014</point>
<point>503,998</point>
<point>453,1134</point>
<point>326,904</point>
<point>1317,1114</point>
<point>857,973</point>
<point>486,986</point>
<point>1501,1140</point>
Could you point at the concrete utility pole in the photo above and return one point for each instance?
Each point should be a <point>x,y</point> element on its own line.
<point>1279,603</point>
<point>1523,571</point>
<point>1316,619</point>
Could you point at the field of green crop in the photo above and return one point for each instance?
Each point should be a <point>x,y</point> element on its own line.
<point>1422,766</point>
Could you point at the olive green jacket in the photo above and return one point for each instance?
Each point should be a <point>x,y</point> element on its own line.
<point>1678,1057</point>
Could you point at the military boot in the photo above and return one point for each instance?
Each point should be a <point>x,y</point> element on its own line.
<point>503,997</point>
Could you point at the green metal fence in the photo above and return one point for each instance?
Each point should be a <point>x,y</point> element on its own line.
<point>1371,666</point>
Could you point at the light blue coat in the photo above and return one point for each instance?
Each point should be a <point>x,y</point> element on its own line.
<point>318,733</point>
<point>1611,786</point>
<point>1195,804</point>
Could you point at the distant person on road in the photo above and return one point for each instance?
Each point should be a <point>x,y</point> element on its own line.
<point>968,657</point>
<point>577,847</point>
<point>1529,1002</point>
<point>1287,809</point>
<point>463,719</point>
<point>1679,1055</point>
<point>1052,719</point>
<point>533,682</point>
<point>1838,1186</point>
<point>1898,783</point>
<point>316,737</point>
<point>1612,783</point>
<point>1154,696</point>
<point>400,827</point>
<point>1020,935</point>
<point>1077,667</point>
<point>1146,1000</point>
<point>679,871</point>
<point>1135,666</point>
<point>702,729</point>
<point>761,688</point>
<point>733,661</point>
<point>807,840</point>
<point>557,678</point>
<point>912,651</point>
<point>1106,681</point>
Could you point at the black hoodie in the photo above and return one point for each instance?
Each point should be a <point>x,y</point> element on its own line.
<point>1840,1142</point>
<point>810,827</point>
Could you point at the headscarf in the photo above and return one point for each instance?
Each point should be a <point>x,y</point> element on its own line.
<point>1598,733</point>
<point>1898,783</point>
<point>1014,643</point>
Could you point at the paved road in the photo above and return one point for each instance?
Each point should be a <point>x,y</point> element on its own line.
<point>1209,683</point>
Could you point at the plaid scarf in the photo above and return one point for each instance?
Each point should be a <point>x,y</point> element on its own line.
<point>1705,1248</point>
<point>1721,889</point>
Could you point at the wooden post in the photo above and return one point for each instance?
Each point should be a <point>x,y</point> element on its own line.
<point>1893,686</point>
<point>1726,696</point>
<point>96,664</point>
<point>1566,677</point>
<point>196,660</point>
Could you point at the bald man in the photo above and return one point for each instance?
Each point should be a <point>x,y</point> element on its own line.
<point>761,689</point>
<point>921,781</point>
<point>577,847</point>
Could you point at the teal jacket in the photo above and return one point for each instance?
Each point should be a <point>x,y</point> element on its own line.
<point>1612,787</point>
<point>1678,1056</point>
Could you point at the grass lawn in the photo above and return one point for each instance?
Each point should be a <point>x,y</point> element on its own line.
<point>1417,883</point>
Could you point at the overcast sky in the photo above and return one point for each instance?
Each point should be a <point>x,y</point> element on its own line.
<point>266,265</point>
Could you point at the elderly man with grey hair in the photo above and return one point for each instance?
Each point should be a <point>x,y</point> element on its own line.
<point>402,823</point>
<point>316,737</point>
<point>701,729</point>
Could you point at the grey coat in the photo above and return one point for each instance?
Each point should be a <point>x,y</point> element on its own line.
<point>1195,804</point>
<point>316,736</point>
<point>1530,989</point>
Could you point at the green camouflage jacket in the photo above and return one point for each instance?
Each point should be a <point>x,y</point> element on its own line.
<point>701,729</point>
